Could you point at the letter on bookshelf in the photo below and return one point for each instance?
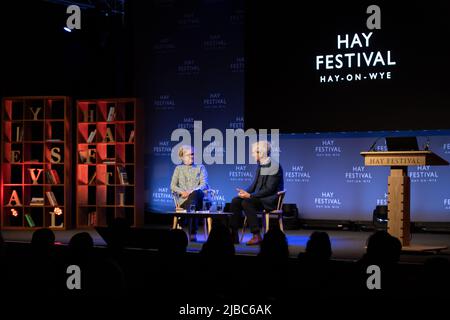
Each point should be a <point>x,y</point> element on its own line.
<point>52,220</point>
<point>15,156</point>
<point>14,198</point>
<point>91,154</point>
<point>90,117</point>
<point>121,199</point>
<point>83,156</point>
<point>55,155</point>
<point>33,176</point>
<point>19,134</point>
<point>35,113</point>
<point>109,136</point>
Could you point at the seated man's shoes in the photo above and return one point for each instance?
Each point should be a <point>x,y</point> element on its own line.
<point>256,239</point>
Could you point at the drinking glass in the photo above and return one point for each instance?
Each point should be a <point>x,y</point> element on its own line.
<point>220,206</point>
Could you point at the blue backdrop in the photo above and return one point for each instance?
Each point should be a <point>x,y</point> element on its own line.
<point>197,73</point>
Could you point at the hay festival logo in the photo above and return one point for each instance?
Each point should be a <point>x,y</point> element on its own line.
<point>354,53</point>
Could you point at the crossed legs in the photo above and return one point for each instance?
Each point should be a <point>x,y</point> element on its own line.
<point>250,207</point>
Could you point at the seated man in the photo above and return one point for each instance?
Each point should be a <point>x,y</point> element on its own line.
<point>262,193</point>
<point>189,181</point>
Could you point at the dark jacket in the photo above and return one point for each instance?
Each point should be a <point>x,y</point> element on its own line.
<point>271,184</point>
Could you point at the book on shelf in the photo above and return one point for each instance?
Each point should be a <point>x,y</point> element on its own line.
<point>131,138</point>
<point>92,218</point>
<point>109,160</point>
<point>37,201</point>
<point>30,220</point>
<point>32,161</point>
<point>91,136</point>
<point>55,176</point>
<point>111,114</point>
<point>51,198</point>
<point>123,176</point>
<point>91,181</point>
<point>49,177</point>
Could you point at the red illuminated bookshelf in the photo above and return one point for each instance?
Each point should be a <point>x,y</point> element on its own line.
<point>106,179</point>
<point>35,153</point>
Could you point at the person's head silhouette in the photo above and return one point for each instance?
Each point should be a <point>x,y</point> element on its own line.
<point>318,246</point>
<point>42,241</point>
<point>383,248</point>
<point>219,242</point>
<point>274,245</point>
<point>174,243</point>
<point>81,245</point>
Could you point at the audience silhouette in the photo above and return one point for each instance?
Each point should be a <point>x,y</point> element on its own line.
<point>218,263</point>
<point>318,248</point>
<point>383,251</point>
<point>42,242</point>
<point>436,277</point>
<point>119,230</point>
<point>2,247</point>
<point>271,266</point>
<point>174,243</point>
<point>39,268</point>
<point>319,274</point>
<point>274,246</point>
<point>43,271</point>
<point>101,274</point>
<point>219,243</point>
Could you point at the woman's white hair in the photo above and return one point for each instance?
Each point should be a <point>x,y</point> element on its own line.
<point>184,148</point>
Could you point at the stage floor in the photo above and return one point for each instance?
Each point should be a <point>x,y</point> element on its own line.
<point>346,245</point>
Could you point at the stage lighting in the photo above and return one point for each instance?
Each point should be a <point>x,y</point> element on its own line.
<point>67,29</point>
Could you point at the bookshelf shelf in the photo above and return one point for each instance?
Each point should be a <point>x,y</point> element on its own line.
<point>35,153</point>
<point>106,162</point>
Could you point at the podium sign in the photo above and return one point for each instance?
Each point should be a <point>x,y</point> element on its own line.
<point>399,185</point>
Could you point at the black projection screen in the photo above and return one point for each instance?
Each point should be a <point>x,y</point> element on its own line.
<point>303,61</point>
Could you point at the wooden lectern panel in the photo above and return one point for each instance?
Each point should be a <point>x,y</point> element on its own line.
<point>398,205</point>
<point>403,158</point>
<point>399,185</point>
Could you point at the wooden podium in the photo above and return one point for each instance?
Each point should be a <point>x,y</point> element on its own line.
<point>399,188</point>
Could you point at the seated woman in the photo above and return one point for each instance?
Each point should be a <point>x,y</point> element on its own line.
<point>189,181</point>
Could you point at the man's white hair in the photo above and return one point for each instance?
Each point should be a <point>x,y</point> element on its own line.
<point>264,147</point>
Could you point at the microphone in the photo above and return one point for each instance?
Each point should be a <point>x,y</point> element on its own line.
<point>373,144</point>
<point>427,145</point>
